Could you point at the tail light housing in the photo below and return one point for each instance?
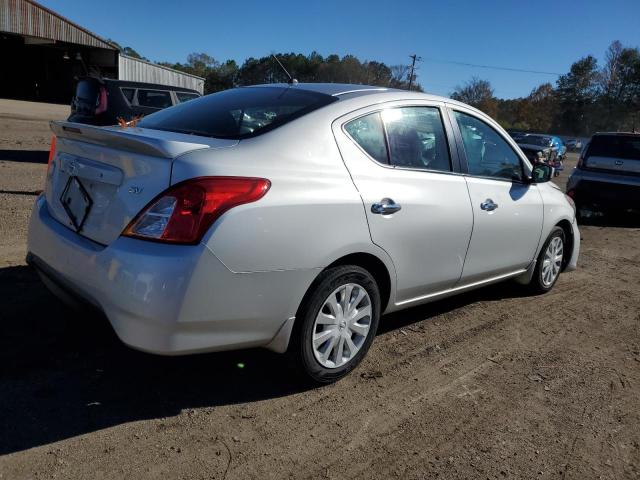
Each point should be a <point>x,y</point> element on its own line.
<point>52,154</point>
<point>101,104</point>
<point>183,213</point>
<point>52,151</point>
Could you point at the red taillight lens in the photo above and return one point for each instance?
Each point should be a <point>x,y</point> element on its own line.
<point>52,150</point>
<point>101,106</point>
<point>52,153</point>
<point>185,211</point>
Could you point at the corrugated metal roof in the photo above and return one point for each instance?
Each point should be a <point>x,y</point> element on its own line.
<point>137,70</point>
<point>26,17</point>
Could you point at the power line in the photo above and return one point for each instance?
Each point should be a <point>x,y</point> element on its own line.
<point>493,67</point>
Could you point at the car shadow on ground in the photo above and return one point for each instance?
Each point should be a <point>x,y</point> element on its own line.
<point>25,156</point>
<point>64,373</point>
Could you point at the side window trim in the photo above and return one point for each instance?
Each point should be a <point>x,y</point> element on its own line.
<point>455,158</point>
<point>463,154</point>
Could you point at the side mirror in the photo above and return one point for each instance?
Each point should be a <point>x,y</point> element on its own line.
<point>541,173</point>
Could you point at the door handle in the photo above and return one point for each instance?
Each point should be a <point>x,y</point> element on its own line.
<point>386,206</point>
<point>488,205</point>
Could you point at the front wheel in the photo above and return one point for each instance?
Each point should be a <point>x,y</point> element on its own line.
<point>336,323</point>
<point>549,263</point>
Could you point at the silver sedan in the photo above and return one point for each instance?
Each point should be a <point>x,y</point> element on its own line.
<point>291,217</point>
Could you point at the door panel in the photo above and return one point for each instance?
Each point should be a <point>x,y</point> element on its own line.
<point>506,237</point>
<point>427,238</point>
<point>507,211</point>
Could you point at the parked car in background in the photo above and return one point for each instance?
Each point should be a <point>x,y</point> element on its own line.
<point>196,231</point>
<point>561,155</point>
<point>516,135</point>
<point>103,101</point>
<point>606,179</point>
<point>560,147</point>
<point>573,144</point>
<point>538,148</point>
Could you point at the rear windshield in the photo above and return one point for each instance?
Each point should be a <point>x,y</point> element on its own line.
<point>237,113</point>
<point>87,90</point>
<point>616,146</point>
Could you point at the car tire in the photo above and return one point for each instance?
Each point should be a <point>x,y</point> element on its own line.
<point>322,326</point>
<point>548,265</point>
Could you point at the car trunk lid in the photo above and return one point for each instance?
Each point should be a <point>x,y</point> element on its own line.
<point>101,177</point>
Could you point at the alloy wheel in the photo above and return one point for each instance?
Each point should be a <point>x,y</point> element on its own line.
<point>552,261</point>
<point>342,325</point>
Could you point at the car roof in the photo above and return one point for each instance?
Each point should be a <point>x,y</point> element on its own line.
<point>354,91</point>
<point>333,89</point>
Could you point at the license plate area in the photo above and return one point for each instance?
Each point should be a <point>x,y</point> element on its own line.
<point>76,202</point>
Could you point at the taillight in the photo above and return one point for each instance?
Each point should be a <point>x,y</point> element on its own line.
<point>101,106</point>
<point>52,154</point>
<point>52,151</point>
<point>184,212</point>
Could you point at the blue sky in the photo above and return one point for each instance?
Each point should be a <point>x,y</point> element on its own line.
<point>538,35</point>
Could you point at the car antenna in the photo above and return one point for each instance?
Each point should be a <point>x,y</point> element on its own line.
<point>292,81</point>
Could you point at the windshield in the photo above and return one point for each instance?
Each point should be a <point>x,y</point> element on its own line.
<point>237,113</point>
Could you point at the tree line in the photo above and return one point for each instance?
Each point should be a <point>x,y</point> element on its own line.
<point>586,99</point>
<point>304,68</point>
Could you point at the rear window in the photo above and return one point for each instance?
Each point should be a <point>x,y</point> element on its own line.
<point>87,90</point>
<point>154,98</point>
<point>237,113</point>
<point>616,146</point>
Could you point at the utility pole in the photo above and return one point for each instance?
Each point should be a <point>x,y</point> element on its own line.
<point>414,58</point>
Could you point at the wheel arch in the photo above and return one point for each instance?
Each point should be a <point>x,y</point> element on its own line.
<point>381,271</point>
<point>375,267</point>
<point>566,227</point>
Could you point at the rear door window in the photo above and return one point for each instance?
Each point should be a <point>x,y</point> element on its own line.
<point>417,138</point>
<point>154,98</point>
<point>368,132</point>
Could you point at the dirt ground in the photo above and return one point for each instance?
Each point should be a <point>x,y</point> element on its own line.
<point>490,384</point>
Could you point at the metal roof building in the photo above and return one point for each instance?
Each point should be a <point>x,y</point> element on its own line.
<point>45,52</point>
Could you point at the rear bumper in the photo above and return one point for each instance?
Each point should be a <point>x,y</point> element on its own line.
<point>608,192</point>
<point>165,299</point>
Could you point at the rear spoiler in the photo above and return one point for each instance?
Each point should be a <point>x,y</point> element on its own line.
<point>129,139</point>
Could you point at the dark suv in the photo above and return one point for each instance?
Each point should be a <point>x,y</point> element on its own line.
<point>102,101</point>
<point>607,177</point>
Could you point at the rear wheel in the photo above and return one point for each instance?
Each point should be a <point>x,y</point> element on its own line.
<point>336,323</point>
<point>550,261</point>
